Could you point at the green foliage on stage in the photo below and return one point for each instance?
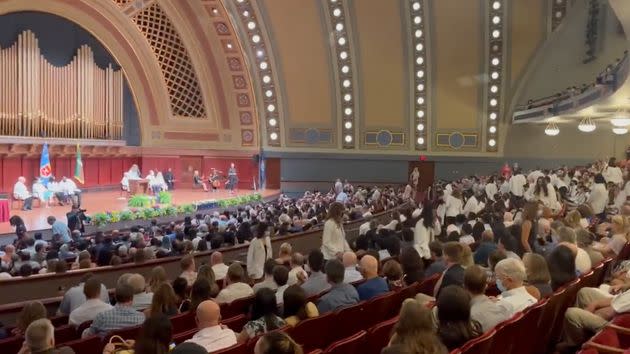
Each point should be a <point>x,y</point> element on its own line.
<point>140,201</point>
<point>164,197</point>
<point>245,199</point>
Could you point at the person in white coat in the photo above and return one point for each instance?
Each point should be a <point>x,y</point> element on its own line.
<point>258,252</point>
<point>599,196</point>
<point>425,231</point>
<point>491,189</point>
<point>334,242</point>
<point>517,184</point>
<point>454,204</point>
<point>612,173</point>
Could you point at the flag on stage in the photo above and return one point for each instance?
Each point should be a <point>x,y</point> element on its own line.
<point>261,169</point>
<point>45,169</point>
<point>78,168</point>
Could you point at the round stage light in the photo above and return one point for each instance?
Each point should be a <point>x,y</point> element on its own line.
<point>492,142</point>
<point>420,140</point>
<point>348,138</point>
<point>348,125</point>
<point>274,136</point>
<point>273,122</point>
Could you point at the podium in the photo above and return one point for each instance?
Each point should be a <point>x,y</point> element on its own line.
<point>138,186</point>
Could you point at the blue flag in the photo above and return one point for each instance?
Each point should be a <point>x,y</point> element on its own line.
<point>261,169</point>
<point>45,169</point>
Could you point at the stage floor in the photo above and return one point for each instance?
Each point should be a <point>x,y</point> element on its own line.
<point>95,202</point>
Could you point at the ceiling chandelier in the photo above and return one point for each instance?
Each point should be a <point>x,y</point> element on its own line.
<point>620,121</point>
<point>587,125</point>
<point>552,129</point>
<point>620,131</point>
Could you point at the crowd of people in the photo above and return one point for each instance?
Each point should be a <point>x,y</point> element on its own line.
<point>519,236</point>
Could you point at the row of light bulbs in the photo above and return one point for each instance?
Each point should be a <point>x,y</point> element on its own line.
<point>620,126</point>
<point>418,41</point>
<point>345,73</point>
<point>495,54</point>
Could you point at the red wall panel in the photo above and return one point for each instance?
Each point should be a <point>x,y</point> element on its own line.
<point>116,172</point>
<point>90,171</point>
<point>11,170</point>
<point>104,171</point>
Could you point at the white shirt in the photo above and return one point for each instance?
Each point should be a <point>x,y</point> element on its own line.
<point>454,206</point>
<point>491,190</point>
<point>598,198</point>
<point>220,270</point>
<point>534,175</point>
<point>142,301</point>
<point>20,191</point>
<point>621,302</point>
<point>38,190</point>
<point>519,298</point>
<point>364,228</point>
<point>87,311</point>
<point>351,275</point>
<point>280,293</point>
<point>68,187</point>
<point>423,236</point>
<point>582,261</point>
<point>517,183</point>
<point>258,252</point>
<point>473,206</point>
<point>233,292</point>
<point>293,273</point>
<point>613,174</point>
<point>214,338</point>
<point>333,240</point>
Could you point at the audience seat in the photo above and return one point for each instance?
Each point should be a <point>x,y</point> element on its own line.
<point>378,336</point>
<point>529,326</point>
<point>235,349</point>
<point>65,333</point>
<point>590,279</point>
<point>58,321</point>
<point>608,263</point>
<point>316,351</point>
<point>183,322</point>
<point>555,328</point>
<point>349,320</point>
<point>622,320</point>
<point>481,344</point>
<point>251,343</point>
<point>428,284</point>
<point>124,333</point>
<point>83,326</point>
<point>548,317</point>
<point>353,344</point>
<point>507,331</point>
<point>184,336</point>
<point>605,341</point>
<point>237,307</point>
<point>624,254</point>
<point>235,323</point>
<point>11,345</point>
<point>88,345</point>
<point>314,333</point>
<point>379,309</point>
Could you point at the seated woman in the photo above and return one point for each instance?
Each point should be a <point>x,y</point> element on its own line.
<point>295,306</point>
<point>264,316</point>
<point>198,181</point>
<point>41,192</point>
<point>455,324</point>
<point>414,331</point>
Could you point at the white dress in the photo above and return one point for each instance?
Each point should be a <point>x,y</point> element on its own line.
<point>258,252</point>
<point>423,236</point>
<point>333,240</point>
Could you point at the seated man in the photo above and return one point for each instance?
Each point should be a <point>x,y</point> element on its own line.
<point>120,316</point>
<point>510,276</point>
<point>268,281</point>
<point>212,336</point>
<point>373,285</point>
<point>40,338</point>
<point>90,308</point>
<point>187,265</point>
<point>141,298</point>
<point>487,312</point>
<point>20,192</point>
<point>75,296</point>
<point>340,294</point>
<point>317,281</point>
<point>236,288</point>
<point>454,273</point>
<point>297,267</point>
<point>70,190</point>
<point>220,269</point>
<point>351,274</point>
<point>593,310</point>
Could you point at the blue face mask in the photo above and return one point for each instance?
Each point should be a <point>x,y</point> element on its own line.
<point>500,285</point>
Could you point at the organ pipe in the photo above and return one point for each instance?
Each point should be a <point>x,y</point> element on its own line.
<point>76,101</point>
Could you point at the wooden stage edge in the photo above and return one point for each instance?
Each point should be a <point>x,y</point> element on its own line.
<point>102,201</point>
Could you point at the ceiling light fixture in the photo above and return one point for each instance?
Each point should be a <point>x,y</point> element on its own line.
<point>587,125</point>
<point>620,121</point>
<point>620,131</point>
<point>552,129</point>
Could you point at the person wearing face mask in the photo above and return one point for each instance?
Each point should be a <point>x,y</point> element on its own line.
<point>510,276</point>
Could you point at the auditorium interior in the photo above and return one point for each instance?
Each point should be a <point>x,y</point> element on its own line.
<point>314,176</point>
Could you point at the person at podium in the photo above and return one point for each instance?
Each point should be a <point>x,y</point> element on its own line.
<point>134,172</point>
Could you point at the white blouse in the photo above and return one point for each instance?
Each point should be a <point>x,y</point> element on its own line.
<point>333,240</point>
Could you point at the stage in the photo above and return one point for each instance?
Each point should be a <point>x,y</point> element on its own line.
<point>102,201</point>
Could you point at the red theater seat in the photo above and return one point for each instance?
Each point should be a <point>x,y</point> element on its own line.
<point>11,345</point>
<point>88,345</point>
<point>235,349</point>
<point>427,285</point>
<point>480,345</point>
<point>322,325</point>
<point>65,333</point>
<point>507,331</point>
<point>183,322</point>
<point>547,318</point>
<point>379,309</point>
<point>235,323</point>
<point>184,336</point>
<point>124,333</point>
<point>530,329</point>
<point>378,336</point>
<point>237,307</point>
<point>352,344</point>
<point>349,320</point>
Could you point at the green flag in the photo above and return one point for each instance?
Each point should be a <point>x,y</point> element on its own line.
<point>78,168</point>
